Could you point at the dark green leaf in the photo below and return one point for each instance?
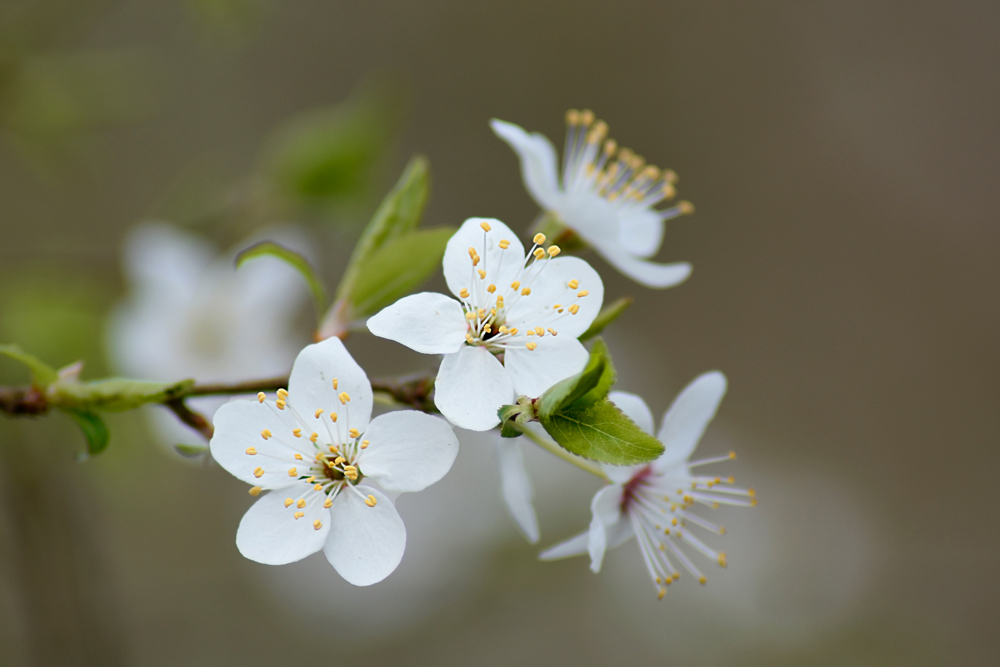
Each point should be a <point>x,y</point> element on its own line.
<point>601,432</point>
<point>114,394</point>
<point>191,451</point>
<point>42,375</point>
<point>507,413</point>
<point>94,430</point>
<point>583,389</point>
<point>293,259</point>
<point>608,314</point>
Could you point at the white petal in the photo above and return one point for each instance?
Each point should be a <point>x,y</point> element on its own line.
<point>688,417</point>
<point>515,487</point>
<point>162,257</point>
<point>365,543</point>
<point>606,511</point>
<point>640,232</point>
<point>501,266</point>
<point>238,427</point>
<point>270,534</point>
<point>310,386</point>
<point>549,282</point>
<point>408,450</point>
<point>574,546</point>
<point>428,322</point>
<point>471,386</point>
<point>534,371</point>
<point>645,273</point>
<point>634,408</point>
<point>538,161</point>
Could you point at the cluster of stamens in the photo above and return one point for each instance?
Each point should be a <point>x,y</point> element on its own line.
<point>329,467</point>
<point>593,162</point>
<point>659,507</point>
<point>487,305</point>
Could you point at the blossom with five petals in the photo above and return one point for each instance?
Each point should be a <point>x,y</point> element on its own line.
<point>513,330</point>
<point>653,502</point>
<point>606,195</point>
<point>313,448</point>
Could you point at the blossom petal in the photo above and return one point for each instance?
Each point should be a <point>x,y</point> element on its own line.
<point>310,386</point>
<point>688,417</point>
<point>270,534</point>
<point>428,322</point>
<point>365,543</point>
<point>574,546</point>
<point>164,258</point>
<point>650,274</point>
<point>501,266</point>
<point>515,487</point>
<point>634,408</point>
<point>471,386</point>
<point>408,450</point>
<point>538,161</point>
<point>640,232</point>
<point>549,281</point>
<point>534,371</point>
<point>607,515</point>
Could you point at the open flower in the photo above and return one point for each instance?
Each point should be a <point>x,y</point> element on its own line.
<point>606,195</point>
<point>313,448</point>
<point>655,502</point>
<point>512,331</point>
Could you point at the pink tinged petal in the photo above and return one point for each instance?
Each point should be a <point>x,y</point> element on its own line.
<point>574,546</point>
<point>501,265</point>
<point>471,386</point>
<point>640,232</point>
<point>429,323</point>
<point>650,274</point>
<point>551,288</point>
<point>310,386</point>
<point>408,450</point>
<point>634,408</point>
<point>240,426</point>
<point>607,515</point>
<point>365,543</point>
<point>538,161</point>
<point>686,420</point>
<point>270,534</point>
<point>515,487</point>
<point>533,371</point>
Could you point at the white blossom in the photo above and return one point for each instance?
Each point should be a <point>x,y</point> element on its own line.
<point>315,452</point>
<point>512,330</point>
<point>606,195</point>
<point>654,502</point>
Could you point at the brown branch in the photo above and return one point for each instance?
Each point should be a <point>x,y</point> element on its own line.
<point>17,401</point>
<point>193,419</point>
<point>249,387</point>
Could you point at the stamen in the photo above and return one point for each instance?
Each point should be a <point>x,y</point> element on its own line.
<point>297,432</point>
<point>504,244</point>
<point>574,309</point>
<point>464,293</point>
<point>344,397</point>
<point>554,250</point>
<point>317,524</point>
<point>258,472</point>
<point>515,285</point>
<point>531,346</point>
<point>318,413</point>
<point>251,451</point>
<point>513,332</point>
<point>328,503</point>
<point>333,417</point>
<point>539,254</point>
<point>289,501</point>
<point>482,274</point>
<point>292,472</point>
<point>364,444</point>
<point>261,397</point>
<point>318,487</point>
<point>265,434</point>
<point>283,394</point>
<point>299,515</point>
<point>298,457</point>
<point>371,501</point>
<point>553,332</point>
<point>491,288</point>
<point>471,315</point>
<point>353,432</point>
<point>526,291</point>
<point>335,384</point>
<point>255,490</point>
<point>334,450</point>
<point>582,293</point>
<point>539,239</point>
<point>573,284</point>
<point>539,331</point>
<point>280,405</point>
<point>301,504</point>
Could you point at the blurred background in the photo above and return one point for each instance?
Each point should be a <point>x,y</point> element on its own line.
<point>842,158</point>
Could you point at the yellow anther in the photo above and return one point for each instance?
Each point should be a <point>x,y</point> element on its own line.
<point>539,332</point>
<point>371,501</point>
<point>472,252</point>
<point>469,339</point>
<point>258,472</point>
<point>722,560</point>
<point>491,288</point>
<point>582,293</point>
<point>335,383</point>
<point>751,493</point>
<point>481,313</point>
<point>251,451</point>
<point>279,404</point>
<point>539,254</point>
<point>464,293</point>
<point>318,413</point>
<point>526,291</point>
<point>673,522</point>
<point>666,531</point>
<point>475,260</point>
<point>686,207</point>
<point>515,285</point>
<point>553,332</point>
<point>261,397</point>
<point>572,117</point>
<point>255,490</point>
<point>702,581</point>
<point>610,146</point>
<point>353,432</point>
<point>574,309</point>
<point>504,244</point>
<point>513,332</point>
<point>311,479</point>
<point>282,394</point>
<point>669,190</point>
<point>333,417</point>
<point>493,311</point>
<point>722,530</point>
<point>529,332</point>
<point>292,472</point>
<point>339,460</point>
<point>485,225</point>
<point>663,547</point>
<point>732,455</point>
<point>301,504</point>
<point>573,284</point>
<point>554,250</point>
<point>298,457</point>
<point>539,238</point>
<point>318,487</point>
<point>531,346</point>
<point>265,434</point>
<point>334,450</point>
<point>289,501</point>
<point>297,432</point>
<point>344,397</point>
<point>471,315</point>
<point>364,444</point>
<point>313,437</point>
<point>328,503</point>
<point>482,274</point>
<point>598,133</point>
<point>317,524</point>
<point>502,329</point>
<point>557,306</point>
<point>663,591</point>
<point>299,515</point>
<point>499,300</point>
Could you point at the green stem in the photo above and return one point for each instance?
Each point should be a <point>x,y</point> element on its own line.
<point>555,449</point>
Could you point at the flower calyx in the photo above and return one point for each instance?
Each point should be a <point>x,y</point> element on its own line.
<point>512,416</point>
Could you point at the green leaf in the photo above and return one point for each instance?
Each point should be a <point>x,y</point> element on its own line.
<point>293,259</point>
<point>191,451</point>
<point>114,394</point>
<point>397,268</point>
<point>94,430</point>
<point>608,314</point>
<point>42,375</point>
<point>399,213</point>
<point>583,389</point>
<point>601,432</point>
<point>507,413</point>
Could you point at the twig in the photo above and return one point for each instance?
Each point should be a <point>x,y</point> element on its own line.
<point>193,419</point>
<point>18,401</point>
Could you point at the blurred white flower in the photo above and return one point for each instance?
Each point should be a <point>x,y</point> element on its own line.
<point>513,330</point>
<point>515,487</point>
<point>653,502</point>
<point>311,447</point>
<point>609,201</point>
<point>192,314</point>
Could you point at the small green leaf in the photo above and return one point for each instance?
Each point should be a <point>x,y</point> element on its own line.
<point>191,451</point>
<point>293,259</point>
<point>397,268</point>
<point>507,413</point>
<point>114,394</point>
<point>608,314</point>
<point>583,389</point>
<point>601,432</point>
<point>42,375</point>
<point>94,430</point>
